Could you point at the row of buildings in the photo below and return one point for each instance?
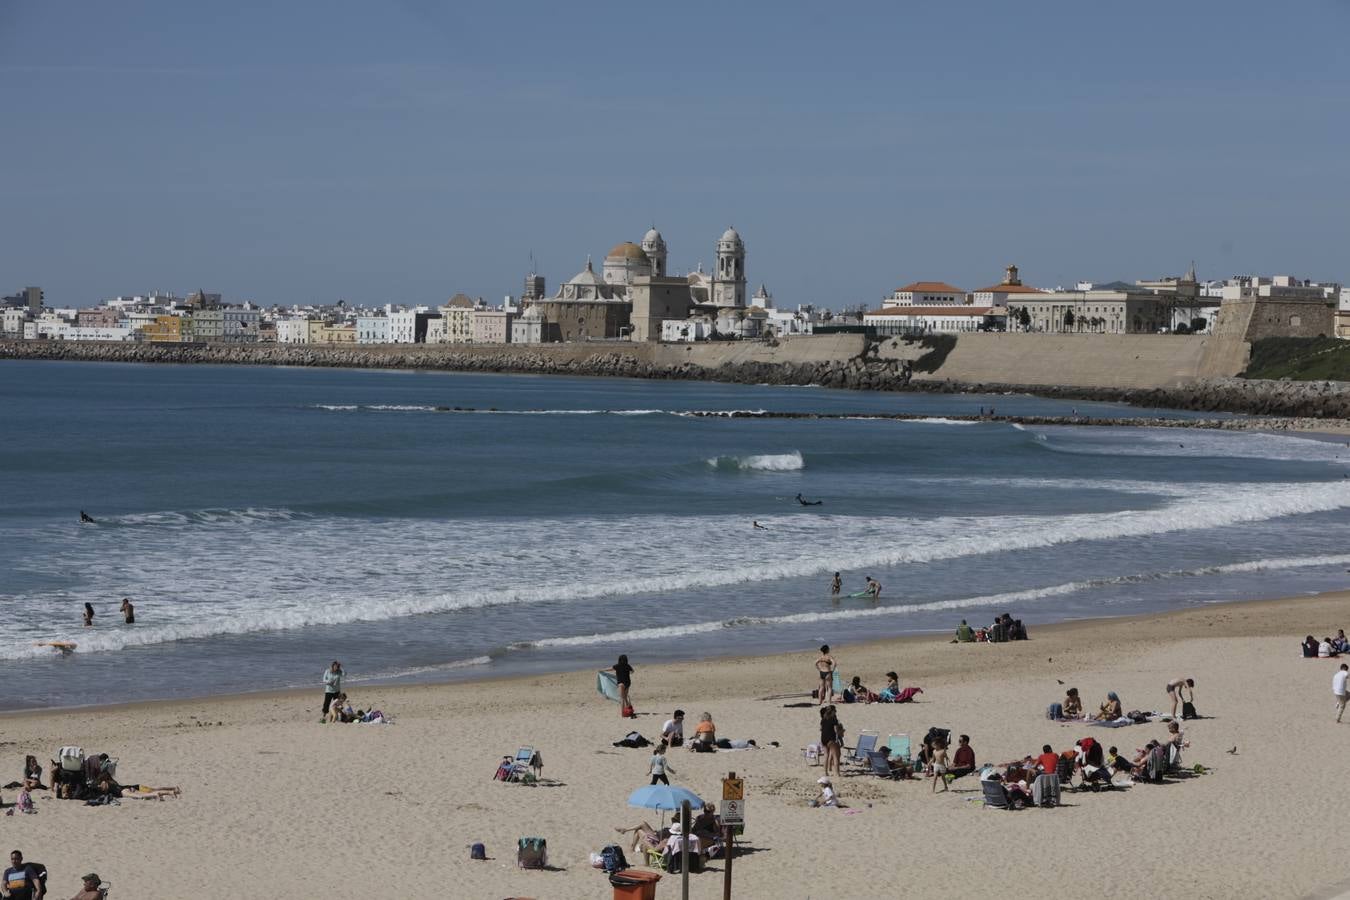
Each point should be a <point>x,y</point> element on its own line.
<point>1249,305</point>
<point>633,297</point>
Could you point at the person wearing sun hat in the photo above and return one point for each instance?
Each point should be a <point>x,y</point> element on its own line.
<point>91,890</point>
<point>827,795</point>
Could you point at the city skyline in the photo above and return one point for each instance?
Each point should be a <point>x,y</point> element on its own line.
<point>406,153</point>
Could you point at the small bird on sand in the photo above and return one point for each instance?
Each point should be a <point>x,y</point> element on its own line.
<point>1061,682</point>
<point>1232,752</point>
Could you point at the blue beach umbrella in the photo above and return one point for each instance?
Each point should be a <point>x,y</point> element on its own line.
<point>663,797</point>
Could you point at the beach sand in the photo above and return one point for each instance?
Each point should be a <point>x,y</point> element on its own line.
<point>275,804</point>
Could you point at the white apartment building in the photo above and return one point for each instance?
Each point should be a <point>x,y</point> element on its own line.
<point>944,319</point>
<point>292,331</point>
<point>435,330</point>
<point>458,323</point>
<point>675,331</point>
<point>240,326</point>
<point>372,329</point>
<point>1277,287</point>
<point>93,333</point>
<point>11,321</point>
<point>925,293</point>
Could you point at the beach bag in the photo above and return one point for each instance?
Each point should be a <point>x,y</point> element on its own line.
<point>612,859</point>
<point>1188,710</point>
<point>532,853</point>
<point>71,759</point>
<point>627,713</point>
<point>477,851</point>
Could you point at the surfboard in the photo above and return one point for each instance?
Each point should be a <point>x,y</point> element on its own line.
<point>63,646</point>
<point>856,595</point>
<point>607,685</point>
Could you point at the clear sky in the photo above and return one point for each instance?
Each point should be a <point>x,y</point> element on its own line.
<point>404,151</point>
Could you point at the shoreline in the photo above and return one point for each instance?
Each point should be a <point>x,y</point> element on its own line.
<point>878,645</point>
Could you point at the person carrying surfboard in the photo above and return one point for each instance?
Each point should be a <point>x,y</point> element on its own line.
<point>873,588</point>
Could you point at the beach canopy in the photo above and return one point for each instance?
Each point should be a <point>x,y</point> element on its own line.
<point>663,797</point>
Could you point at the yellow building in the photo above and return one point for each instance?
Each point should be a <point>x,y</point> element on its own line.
<point>167,330</point>
<point>325,333</point>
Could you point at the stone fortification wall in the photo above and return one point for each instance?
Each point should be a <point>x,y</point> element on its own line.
<point>1252,320</point>
<point>1137,361</point>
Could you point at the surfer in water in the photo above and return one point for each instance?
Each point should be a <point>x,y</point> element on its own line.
<point>805,502</point>
<point>873,588</point>
<point>758,527</point>
<point>88,615</point>
<point>85,518</point>
<point>836,585</point>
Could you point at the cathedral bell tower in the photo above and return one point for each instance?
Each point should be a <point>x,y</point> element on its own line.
<point>728,285</point>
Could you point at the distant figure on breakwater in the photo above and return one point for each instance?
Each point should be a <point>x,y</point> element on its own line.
<point>804,502</point>
<point>85,518</point>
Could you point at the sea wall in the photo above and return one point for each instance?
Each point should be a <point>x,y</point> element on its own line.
<point>1049,365</point>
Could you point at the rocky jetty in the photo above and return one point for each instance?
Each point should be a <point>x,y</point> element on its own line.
<point>1289,400</point>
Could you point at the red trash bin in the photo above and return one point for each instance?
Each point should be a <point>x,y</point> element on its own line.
<point>634,884</point>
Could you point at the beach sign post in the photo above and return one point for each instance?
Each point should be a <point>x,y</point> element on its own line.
<point>733,814</point>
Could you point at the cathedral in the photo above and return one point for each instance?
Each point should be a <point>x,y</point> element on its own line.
<point>628,263</point>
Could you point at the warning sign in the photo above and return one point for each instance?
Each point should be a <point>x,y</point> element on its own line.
<point>733,812</point>
<point>733,789</point>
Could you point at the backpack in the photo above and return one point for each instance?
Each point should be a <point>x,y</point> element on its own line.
<point>612,859</point>
<point>532,853</point>
<point>1188,710</point>
<point>633,739</point>
<point>477,851</point>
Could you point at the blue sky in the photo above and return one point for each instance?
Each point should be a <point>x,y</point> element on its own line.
<point>404,151</point>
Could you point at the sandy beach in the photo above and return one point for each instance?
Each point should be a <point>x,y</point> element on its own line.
<point>275,804</point>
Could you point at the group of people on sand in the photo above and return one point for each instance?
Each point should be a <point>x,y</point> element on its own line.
<point>25,880</point>
<point>1327,647</point>
<point>1003,628</point>
<point>704,839</point>
<point>337,708</point>
<point>127,609</point>
<point>1180,693</point>
<point>91,780</point>
<point>855,691</point>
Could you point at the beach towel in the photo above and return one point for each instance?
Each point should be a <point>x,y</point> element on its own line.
<point>1114,723</point>
<point>607,685</point>
<point>1045,790</point>
<point>907,695</point>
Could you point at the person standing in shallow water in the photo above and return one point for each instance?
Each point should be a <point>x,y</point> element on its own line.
<point>88,615</point>
<point>836,585</point>
<point>128,611</point>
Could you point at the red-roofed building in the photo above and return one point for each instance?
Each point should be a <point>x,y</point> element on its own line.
<point>1011,289</point>
<point>926,293</point>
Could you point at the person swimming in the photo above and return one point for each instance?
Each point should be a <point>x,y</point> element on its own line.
<point>85,518</point>
<point>758,527</point>
<point>805,502</point>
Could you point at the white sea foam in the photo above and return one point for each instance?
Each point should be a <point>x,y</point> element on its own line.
<point>766,462</point>
<point>1022,597</point>
<point>292,571</point>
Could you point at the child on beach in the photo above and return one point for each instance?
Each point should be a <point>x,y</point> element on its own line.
<point>940,765</point>
<point>827,795</point>
<point>659,767</point>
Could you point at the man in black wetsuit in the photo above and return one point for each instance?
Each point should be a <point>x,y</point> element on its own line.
<point>809,502</point>
<point>85,518</point>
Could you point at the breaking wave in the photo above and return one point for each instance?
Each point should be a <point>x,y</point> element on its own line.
<point>768,462</point>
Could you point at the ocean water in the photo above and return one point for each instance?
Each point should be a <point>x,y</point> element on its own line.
<point>267,520</point>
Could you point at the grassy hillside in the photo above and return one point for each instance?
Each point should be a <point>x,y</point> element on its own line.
<point>1302,359</point>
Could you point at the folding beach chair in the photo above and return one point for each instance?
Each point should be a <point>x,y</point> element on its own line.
<point>526,766</point>
<point>1064,769</point>
<point>1045,790</point>
<point>897,745</point>
<point>995,795</point>
<point>878,761</point>
<point>857,756</point>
